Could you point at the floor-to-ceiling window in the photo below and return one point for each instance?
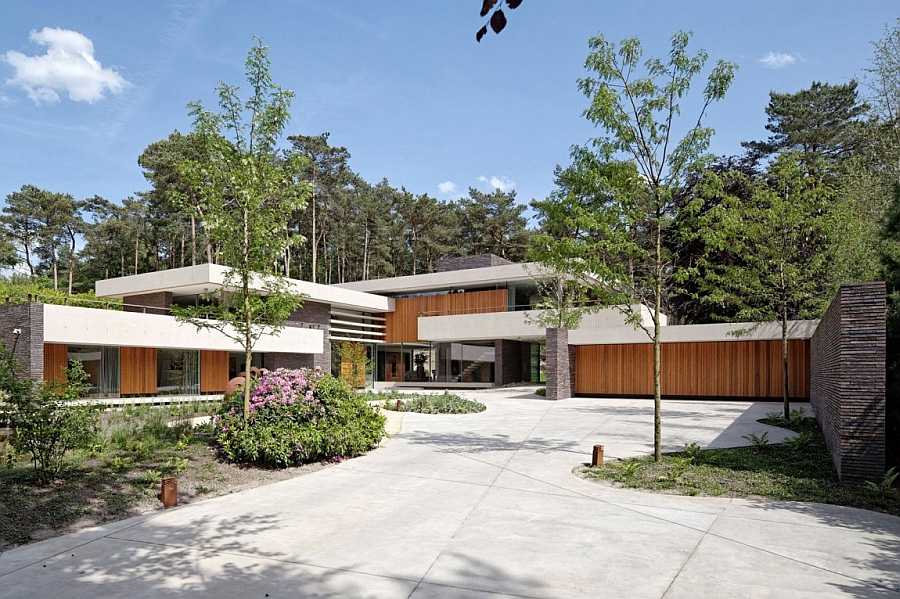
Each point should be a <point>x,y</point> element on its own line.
<point>423,362</point>
<point>101,364</point>
<point>177,372</point>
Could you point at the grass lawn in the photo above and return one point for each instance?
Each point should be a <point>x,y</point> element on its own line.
<point>797,470</point>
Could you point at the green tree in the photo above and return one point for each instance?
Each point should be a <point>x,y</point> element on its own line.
<point>631,174</point>
<point>247,196</point>
<point>783,237</point>
<point>884,82</point>
<point>822,122</point>
<point>493,223</point>
<point>327,171</point>
<point>170,227</point>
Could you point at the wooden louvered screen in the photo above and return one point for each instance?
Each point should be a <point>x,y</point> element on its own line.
<point>707,369</point>
<point>213,371</point>
<point>402,325</point>
<point>56,359</point>
<point>138,370</point>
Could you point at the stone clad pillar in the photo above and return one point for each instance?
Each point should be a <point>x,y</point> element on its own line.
<point>559,365</point>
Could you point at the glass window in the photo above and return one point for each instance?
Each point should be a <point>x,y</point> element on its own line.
<point>102,367</point>
<point>177,372</point>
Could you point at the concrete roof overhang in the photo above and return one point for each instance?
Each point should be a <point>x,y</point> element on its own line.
<point>195,280</point>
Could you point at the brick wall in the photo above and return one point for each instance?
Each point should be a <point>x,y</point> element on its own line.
<point>847,382</point>
<point>28,346</point>
<point>148,303</point>
<point>314,313</point>
<point>467,262</point>
<point>508,362</point>
<point>560,365</point>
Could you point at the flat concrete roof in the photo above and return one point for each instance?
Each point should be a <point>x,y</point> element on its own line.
<point>194,280</point>
<point>453,279</point>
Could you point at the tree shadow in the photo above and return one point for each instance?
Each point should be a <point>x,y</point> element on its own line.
<point>221,557</point>
<point>472,442</point>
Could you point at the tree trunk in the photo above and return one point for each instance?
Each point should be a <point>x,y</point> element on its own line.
<point>784,362</point>
<point>657,391</point>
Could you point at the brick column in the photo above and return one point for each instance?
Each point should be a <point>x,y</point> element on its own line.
<point>847,382</point>
<point>559,367</point>
<point>508,362</point>
<point>28,345</point>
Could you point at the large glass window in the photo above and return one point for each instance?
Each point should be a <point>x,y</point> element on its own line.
<point>177,372</point>
<point>435,362</point>
<point>102,367</point>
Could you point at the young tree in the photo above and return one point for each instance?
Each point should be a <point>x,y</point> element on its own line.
<point>631,173</point>
<point>247,196</point>
<point>783,237</point>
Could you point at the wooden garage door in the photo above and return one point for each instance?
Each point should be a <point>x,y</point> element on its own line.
<point>707,369</point>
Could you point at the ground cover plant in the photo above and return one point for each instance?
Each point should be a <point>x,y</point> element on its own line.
<point>797,470</point>
<point>296,417</point>
<point>444,403</point>
<point>114,472</point>
<point>117,468</point>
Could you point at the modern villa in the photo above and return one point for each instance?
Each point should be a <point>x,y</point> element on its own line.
<point>468,325</point>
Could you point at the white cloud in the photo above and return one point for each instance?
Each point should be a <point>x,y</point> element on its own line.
<point>778,60</point>
<point>68,66</point>
<point>502,183</point>
<point>447,187</point>
<point>483,179</point>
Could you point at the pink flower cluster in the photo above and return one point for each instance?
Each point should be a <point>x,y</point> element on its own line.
<point>284,386</point>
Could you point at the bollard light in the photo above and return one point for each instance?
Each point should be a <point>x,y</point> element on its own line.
<point>597,457</point>
<point>169,492</point>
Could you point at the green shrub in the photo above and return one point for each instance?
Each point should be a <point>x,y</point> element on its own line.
<point>296,417</point>
<point>542,391</point>
<point>445,403</point>
<point>48,421</point>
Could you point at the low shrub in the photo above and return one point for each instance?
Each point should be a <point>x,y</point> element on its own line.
<point>47,421</point>
<point>445,403</point>
<point>296,417</point>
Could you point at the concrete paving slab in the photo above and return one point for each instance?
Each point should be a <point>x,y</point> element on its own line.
<point>483,506</point>
<point>27,555</point>
<point>542,546</point>
<point>350,521</point>
<point>723,568</point>
<point>117,568</point>
<point>857,552</point>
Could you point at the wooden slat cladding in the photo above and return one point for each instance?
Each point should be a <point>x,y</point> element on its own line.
<point>402,325</point>
<point>706,369</point>
<point>138,370</point>
<point>213,371</point>
<point>56,359</point>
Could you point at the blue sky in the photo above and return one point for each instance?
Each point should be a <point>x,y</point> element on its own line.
<point>86,86</point>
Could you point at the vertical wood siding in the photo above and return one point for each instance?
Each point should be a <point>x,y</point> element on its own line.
<point>56,359</point>
<point>138,370</point>
<point>707,369</point>
<point>213,371</point>
<point>402,325</point>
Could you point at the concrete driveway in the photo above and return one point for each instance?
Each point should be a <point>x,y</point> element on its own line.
<point>483,506</point>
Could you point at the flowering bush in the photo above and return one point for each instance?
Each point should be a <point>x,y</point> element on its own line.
<point>297,416</point>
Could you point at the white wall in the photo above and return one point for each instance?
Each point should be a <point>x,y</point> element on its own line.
<point>508,325</point>
<point>90,326</point>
